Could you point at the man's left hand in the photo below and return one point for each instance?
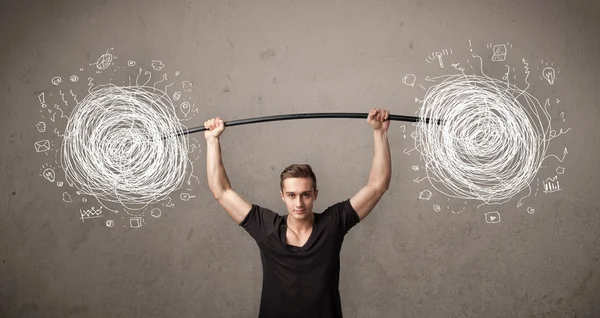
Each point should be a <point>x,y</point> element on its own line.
<point>378,119</point>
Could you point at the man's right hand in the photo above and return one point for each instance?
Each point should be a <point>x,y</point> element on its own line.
<point>215,127</point>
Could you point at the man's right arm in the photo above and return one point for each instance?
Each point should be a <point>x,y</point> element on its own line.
<point>219,184</point>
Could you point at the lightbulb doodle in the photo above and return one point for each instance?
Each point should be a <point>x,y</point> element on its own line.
<point>103,133</point>
<point>497,141</point>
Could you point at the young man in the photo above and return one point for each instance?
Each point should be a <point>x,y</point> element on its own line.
<point>300,251</point>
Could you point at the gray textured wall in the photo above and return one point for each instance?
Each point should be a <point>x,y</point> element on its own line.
<point>257,58</point>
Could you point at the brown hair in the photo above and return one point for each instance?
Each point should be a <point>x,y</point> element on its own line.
<point>298,171</point>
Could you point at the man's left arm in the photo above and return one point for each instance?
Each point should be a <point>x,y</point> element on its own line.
<point>368,196</point>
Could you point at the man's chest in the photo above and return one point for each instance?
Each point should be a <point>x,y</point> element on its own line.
<point>297,239</point>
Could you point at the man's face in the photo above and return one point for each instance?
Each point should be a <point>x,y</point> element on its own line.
<point>298,197</point>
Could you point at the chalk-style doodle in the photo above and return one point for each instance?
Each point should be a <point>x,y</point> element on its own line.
<point>492,217</point>
<point>114,165</point>
<point>187,86</point>
<point>110,223</point>
<point>560,170</point>
<point>530,210</point>
<point>67,197</point>
<point>42,98</point>
<point>113,147</point>
<point>155,212</point>
<point>437,207</point>
<point>415,167</point>
<point>41,126</point>
<point>409,80</point>
<point>176,95</point>
<point>42,145</point>
<point>177,73</point>
<point>551,185</point>
<point>499,53</point>
<point>157,65</point>
<point>497,134</point>
<point>491,150</point>
<point>135,222</point>
<point>425,195</point>
<point>185,108</point>
<point>91,213</point>
<point>104,61</point>
<point>169,204</point>
<point>186,196</point>
<point>437,56</point>
<point>49,174</point>
<point>549,74</point>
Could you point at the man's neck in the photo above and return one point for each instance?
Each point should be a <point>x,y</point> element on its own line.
<point>301,226</point>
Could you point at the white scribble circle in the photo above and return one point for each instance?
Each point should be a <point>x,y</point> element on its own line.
<point>492,142</point>
<point>114,148</point>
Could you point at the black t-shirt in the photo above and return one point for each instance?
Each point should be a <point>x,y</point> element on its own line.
<point>301,281</point>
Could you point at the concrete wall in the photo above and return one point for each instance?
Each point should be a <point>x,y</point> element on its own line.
<point>185,257</point>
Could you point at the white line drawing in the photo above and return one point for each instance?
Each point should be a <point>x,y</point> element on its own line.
<point>185,108</point>
<point>49,174</point>
<point>492,149</point>
<point>41,126</point>
<point>125,160</point>
<point>56,80</point>
<point>558,101</point>
<point>562,115</point>
<point>67,197</point>
<point>499,53</point>
<point>186,196</point>
<point>155,212</point>
<point>437,208</point>
<point>42,145</point>
<point>187,86</point>
<point>157,65</point>
<point>549,74</point>
<point>438,56</point>
<point>130,63</point>
<point>91,213</point>
<point>110,223</point>
<point>74,96</point>
<point>42,98</point>
<point>74,78</point>
<point>169,203</point>
<point>560,170</point>
<point>177,73</point>
<point>176,95</point>
<point>425,195</point>
<point>59,184</point>
<point>492,217</point>
<point>135,222</point>
<point>409,80</point>
<point>104,61</point>
<point>415,167</point>
<point>530,210</point>
<point>565,152</point>
<point>551,185</point>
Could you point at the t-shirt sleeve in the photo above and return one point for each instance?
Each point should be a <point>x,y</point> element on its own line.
<point>260,222</point>
<point>343,216</point>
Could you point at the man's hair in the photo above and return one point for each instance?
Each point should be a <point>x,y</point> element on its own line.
<point>298,171</point>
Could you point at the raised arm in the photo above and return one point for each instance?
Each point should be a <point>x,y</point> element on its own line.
<point>368,196</point>
<point>218,182</point>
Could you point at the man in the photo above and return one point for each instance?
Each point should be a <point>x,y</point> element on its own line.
<point>300,250</point>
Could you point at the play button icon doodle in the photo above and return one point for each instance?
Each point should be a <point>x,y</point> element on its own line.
<point>492,217</point>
